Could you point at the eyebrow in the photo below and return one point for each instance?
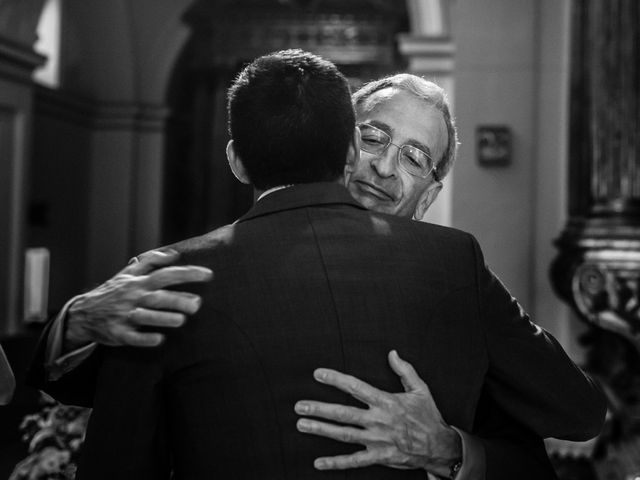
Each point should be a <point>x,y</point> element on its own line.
<point>413,143</point>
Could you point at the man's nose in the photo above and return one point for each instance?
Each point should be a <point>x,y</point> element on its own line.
<point>385,163</point>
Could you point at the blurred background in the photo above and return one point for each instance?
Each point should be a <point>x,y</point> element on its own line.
<point>113,130</point>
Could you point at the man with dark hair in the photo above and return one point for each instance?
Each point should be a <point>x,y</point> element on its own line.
<point>300,113</point>
<point>309,278</point>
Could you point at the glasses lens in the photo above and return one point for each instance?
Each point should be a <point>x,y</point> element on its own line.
<point>411,159</point>
<point>374,140</point>
<point>414,161</point>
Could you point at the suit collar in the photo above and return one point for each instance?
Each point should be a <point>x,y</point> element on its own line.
<point>300,196</point>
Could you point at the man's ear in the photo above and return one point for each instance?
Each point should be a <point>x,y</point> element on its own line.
<point>426,199</point>
<point>236,165</point>
<point>353,155</point>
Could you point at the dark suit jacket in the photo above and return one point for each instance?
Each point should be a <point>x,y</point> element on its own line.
<point>310,278</point>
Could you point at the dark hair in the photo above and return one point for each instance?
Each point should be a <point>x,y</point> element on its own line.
<point>425,91</point>
<point>291,119</point>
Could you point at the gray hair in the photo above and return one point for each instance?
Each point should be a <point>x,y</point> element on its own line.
<point>432,94</point>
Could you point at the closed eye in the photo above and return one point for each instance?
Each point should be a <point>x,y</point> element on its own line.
<point>373,141</point>
<point>413,160</point>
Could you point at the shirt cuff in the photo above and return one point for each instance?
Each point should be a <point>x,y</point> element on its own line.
<point>56,362</point>
<point>473,457</point>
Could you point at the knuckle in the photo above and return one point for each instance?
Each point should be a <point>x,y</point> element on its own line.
<point>349,416</point>
<point>134,315</point>
<point>354,386</point>
<point>161,276</point>
<point>342,414</point>
<point>379,418</point>
<point>121,338</point>
<point>389,404</point>
<point>149,299</point>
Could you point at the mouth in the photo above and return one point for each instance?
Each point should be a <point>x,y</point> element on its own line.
<point>374,190</point>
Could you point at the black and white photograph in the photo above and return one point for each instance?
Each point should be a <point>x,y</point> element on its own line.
<point>319,239</point>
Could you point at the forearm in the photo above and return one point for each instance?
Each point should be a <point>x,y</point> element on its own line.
<point>70,377</point>
<point>56,343</point>
<point>62,355</point>
<point>75,334</point>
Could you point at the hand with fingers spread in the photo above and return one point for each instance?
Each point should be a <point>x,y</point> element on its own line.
<point>112,313</point>
<point>399,430</point>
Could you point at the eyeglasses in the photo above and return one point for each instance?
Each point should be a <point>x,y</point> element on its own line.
<point>411,159</point>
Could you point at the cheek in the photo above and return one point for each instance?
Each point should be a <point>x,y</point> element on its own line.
<point>359,166</point>
<point>410,196</point>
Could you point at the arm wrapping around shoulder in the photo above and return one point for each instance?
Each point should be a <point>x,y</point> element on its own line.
<point>76,387</point>
<point>530,376</point>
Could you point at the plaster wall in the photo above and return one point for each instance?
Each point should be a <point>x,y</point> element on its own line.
<point>59,186</point>
<point>494,85</point>
<point>512,68</point>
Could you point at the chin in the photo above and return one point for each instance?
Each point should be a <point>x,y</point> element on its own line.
<point>378,207</point>
<point>371,203</point>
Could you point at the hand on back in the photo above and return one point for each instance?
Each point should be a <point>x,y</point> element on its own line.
<point>113,313</point>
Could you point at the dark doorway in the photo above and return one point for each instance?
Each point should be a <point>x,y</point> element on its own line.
<point>200,192</point>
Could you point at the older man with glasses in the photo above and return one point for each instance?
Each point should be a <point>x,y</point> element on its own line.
<point>408,146</point>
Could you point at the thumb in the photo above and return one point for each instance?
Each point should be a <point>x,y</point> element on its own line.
<point>408,376</point>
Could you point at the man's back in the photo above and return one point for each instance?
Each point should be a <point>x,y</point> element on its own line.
<point>307,279</point>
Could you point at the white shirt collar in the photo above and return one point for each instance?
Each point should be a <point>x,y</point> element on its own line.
<point>271,190</point>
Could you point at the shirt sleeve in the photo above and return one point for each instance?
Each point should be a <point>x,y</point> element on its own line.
<point>57,362</point>
<point>473,458</point>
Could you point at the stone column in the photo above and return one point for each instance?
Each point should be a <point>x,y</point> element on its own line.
<point>597,270</point>
<point>600,246</point>
<point>17,62</point>
<point>126,184</point>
